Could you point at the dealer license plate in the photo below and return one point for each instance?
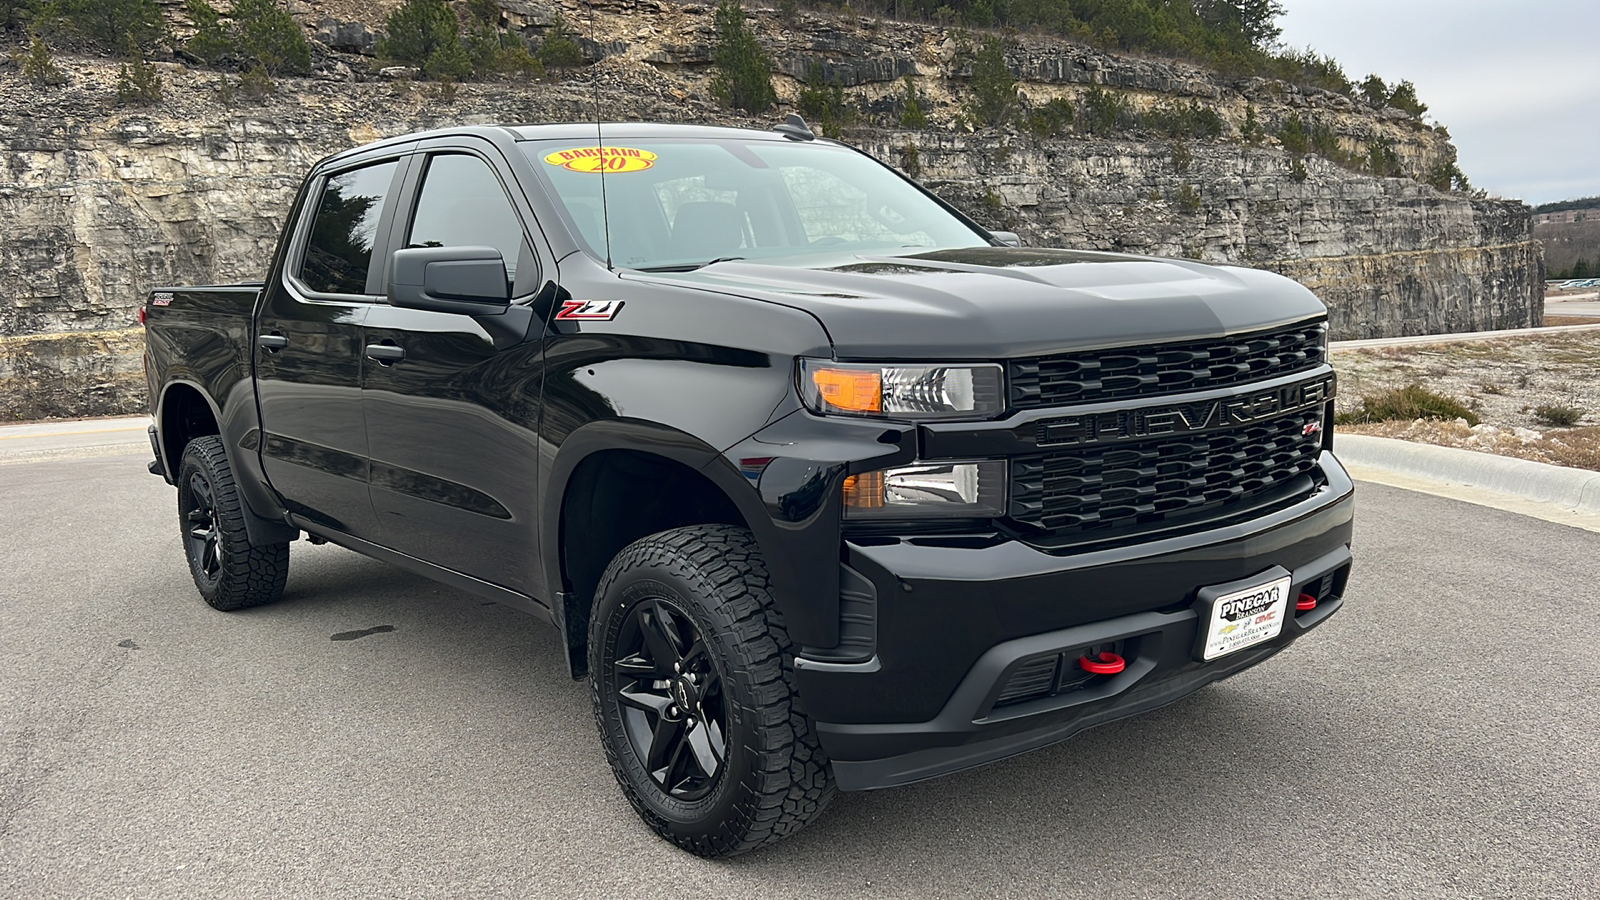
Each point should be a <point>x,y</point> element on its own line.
<point>1246,618</point>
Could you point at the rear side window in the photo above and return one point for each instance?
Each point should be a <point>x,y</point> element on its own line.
<point>339,251</point>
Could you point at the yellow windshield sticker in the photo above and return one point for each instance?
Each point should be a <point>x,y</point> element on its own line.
<point>602,159</point>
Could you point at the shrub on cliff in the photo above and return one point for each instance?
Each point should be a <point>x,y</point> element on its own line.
<point>1293,135</point>
<point>494,51</point>
<point>823,102</point>
<point>1251,132</point>
<point>912,114</point>
<point>425,34</point>
<point>744,71</point>
<point>1186,120</point>
<point>39,67</point>
<point>1051,119</point>
<point>1308,68</point>
<point>267,34</point>
<point>257,33</point>
<point>105,23</point>
<point>993,101</point>
<point>212,41</point>
<point>15,13</point>
<point>138,82</point>
<point>1382,160</point>
<point>1104,112</point>
<point>560,49</point>
<point>1447,176</point>
<point>1402,96</point>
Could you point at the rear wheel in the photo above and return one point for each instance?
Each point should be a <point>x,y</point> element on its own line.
<point>693,681</point>
<point>230,572</point>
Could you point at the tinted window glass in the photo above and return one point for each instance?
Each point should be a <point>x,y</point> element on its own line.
<point>340,248</point>
<point>463,205</point>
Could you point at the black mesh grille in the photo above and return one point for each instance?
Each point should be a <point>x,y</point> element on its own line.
<point>1031,681</point>
<point>1127,488</point>
<point>1152,371</point>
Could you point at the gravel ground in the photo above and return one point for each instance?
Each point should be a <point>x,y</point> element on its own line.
<point>1504,382</point>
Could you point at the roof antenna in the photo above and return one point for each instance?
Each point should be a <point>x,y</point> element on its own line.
<point>795,128</point>
<point>599,138</point>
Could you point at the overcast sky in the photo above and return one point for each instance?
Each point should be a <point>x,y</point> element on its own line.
<point>1517,83</point>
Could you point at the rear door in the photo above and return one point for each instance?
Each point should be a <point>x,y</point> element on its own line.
<point>451,420</point>
<point>308,353</point>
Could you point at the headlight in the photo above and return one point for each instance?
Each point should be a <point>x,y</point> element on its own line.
<point>920,392</point>
<point>967,489</point>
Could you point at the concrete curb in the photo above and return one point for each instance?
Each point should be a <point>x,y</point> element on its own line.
<point>1577,490</point>
<point>1458,337</point>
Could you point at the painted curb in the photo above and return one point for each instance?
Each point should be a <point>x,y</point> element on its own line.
<point>1573,489</point>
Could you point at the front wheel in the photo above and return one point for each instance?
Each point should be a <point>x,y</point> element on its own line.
<point>693,680</point>
<point>230,572</point>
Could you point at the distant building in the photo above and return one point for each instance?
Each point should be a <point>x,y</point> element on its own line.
<point>1568,216</point>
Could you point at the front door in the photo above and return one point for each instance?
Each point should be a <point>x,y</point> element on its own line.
<point>452,421</point>
<point>308,352</point>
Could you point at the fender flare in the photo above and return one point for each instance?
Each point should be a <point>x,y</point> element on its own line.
<point>261,530</point>
<point>648,437</point>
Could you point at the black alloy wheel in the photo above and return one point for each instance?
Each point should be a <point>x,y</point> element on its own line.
<point>230,572</point>
<point>204,538</point>
<point>671,700</point>
<point>692,676</point>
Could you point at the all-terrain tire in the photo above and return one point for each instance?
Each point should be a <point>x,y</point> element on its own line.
<point>230,572</point>
<point>709,581</point>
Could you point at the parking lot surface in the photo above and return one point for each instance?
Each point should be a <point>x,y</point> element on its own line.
<point>377,735</point>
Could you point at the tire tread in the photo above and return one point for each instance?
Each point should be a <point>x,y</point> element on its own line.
<point>793,776</point>
<point>251,575</point>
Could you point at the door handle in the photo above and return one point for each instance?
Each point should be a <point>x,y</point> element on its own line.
<point>387,354</point>
<point>271,342</point>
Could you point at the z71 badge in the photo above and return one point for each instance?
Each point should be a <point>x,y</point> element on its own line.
<point>589,310</point>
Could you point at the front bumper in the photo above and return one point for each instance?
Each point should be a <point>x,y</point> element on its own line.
<point>959,622</point>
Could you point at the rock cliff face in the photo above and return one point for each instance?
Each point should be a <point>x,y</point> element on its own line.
<point>104,203</point>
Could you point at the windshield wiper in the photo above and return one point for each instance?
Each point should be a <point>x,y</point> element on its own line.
<point>689,267</point>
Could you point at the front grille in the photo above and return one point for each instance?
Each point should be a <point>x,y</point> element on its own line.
<point>1159,369</point>
<point>1128,488</point>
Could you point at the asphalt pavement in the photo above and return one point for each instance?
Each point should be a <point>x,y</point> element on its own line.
<point>1584,304</point>
<point>377,735</point>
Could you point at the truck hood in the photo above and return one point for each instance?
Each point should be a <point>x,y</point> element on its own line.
<point>994,302</point>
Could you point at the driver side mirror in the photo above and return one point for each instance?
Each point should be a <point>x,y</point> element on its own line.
<point>1007,238</point>
<point>467,280</point>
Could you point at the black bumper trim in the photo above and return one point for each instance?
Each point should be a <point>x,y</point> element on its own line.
<point>920,765</point>
<point>970,730</point>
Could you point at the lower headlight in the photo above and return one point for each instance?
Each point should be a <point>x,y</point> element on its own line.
<point>962,489</point>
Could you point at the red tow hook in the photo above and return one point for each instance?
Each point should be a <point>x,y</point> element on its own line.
<point>1108,664</point>
<point>1306,603</point>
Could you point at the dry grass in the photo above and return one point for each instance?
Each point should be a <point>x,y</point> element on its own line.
<point>1405,404</point>
<point>1513,385</point>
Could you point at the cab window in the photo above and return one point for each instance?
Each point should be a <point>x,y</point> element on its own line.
<point>339,250</point>
<point>462,204</point>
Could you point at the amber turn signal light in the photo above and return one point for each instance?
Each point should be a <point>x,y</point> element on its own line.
<point>851,390</point>
<point>864,491</point>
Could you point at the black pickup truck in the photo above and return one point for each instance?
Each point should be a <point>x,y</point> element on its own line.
<point>824,486</point>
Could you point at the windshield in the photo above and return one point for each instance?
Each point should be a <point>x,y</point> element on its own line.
<point>681,204</point>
